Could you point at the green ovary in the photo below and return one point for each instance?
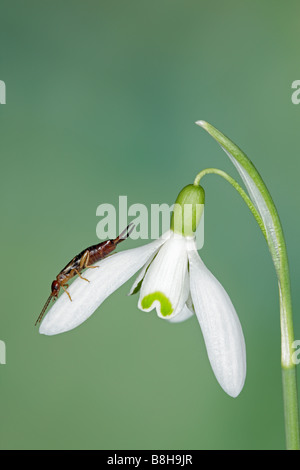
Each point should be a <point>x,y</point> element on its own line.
<point>165,304</point>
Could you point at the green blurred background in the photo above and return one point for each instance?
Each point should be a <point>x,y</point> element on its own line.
<point>101,101</point>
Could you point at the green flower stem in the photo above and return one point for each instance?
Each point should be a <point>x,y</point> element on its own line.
<point>277,246</point>
<point>239,189</point>
<point>290,401</point>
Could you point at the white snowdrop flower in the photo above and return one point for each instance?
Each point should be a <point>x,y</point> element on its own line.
<point>178,274</point>
<point>175,282</point>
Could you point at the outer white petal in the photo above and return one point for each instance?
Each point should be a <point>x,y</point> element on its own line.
<point>86,297</point>
<point>220,326</point>
<point>167,275</point>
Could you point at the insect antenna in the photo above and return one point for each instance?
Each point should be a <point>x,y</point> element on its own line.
<point>44,310</point>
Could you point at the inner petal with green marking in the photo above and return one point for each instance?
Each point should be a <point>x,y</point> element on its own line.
<point>165,304</point>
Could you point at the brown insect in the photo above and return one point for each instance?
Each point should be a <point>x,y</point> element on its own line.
<point>80,262</point>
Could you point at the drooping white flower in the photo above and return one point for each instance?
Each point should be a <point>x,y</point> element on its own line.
<point>177,284</point>
<point>174,281</point>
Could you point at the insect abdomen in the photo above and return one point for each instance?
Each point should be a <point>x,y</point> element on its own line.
<point>98,252</point>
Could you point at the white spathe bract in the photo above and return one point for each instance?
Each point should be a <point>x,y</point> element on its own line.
<point>175,292</point>
<point>256,196</point>
<point>260,204</point>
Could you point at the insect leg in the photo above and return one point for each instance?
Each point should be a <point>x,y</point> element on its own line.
<point>84,262</point>
<point>77,272</point>
<point>67,291</point>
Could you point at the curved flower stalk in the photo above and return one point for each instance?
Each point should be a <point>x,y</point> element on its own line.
<point>175,282</point>
<point>272,229</point>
